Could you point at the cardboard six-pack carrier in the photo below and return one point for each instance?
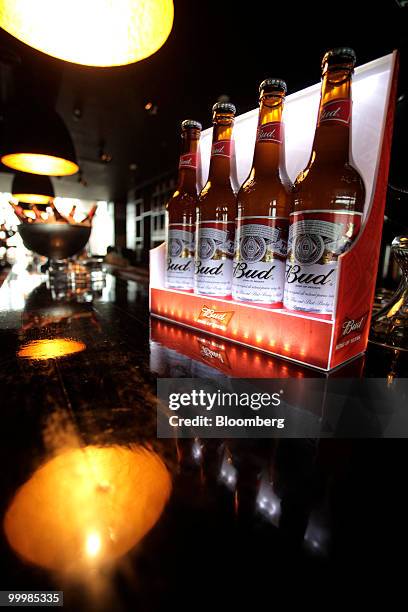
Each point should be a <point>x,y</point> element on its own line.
<point>321,341</point>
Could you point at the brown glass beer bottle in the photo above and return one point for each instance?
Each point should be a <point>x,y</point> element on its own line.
<point>329,196</point>
<point>216,211</point>
<point>263,207</point>
<point>181,209</point>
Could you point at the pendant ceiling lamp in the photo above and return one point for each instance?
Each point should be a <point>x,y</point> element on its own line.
<point>36,140</point>
<point>32,188</point>
<point>90,32</point>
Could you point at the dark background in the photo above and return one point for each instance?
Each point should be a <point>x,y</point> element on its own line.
<point>214,49</point>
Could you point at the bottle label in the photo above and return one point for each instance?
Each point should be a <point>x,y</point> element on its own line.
<point>180,257</point>
<point>337,111</point>
<point>259,259</point>
<point>213,261</point>
<point>316,239</point>
<point>222,148</point>
<point>189,160</point>
<point>270,132</point>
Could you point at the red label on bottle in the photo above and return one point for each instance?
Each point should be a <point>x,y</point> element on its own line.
<point>270,132</point>
<point>338,111</point>
<point>222,148</point>
<point>189,160</point>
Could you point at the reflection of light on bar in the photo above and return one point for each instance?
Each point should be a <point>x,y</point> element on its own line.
<point>286,346</point>
<point>93,544</point>
<point>259,339</point>
<point>272,343</point>
<point>235,331</point>
<point>246,335</point>
<point>50,348</point>
<point>87,506</point>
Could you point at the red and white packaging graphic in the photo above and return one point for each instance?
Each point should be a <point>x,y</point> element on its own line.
<point>189,160</point>
<point>222,148</point>
<point>213,261</point>
<point>316,239</point>
<point>180,257</point>
<point>270,132</point>
<point>336,111</point>
<point>259,259</point>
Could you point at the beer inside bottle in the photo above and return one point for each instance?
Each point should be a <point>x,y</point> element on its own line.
<point>216,211</point>
<point>181,210</point>
<point>263,208</point>
<point>329,196</point>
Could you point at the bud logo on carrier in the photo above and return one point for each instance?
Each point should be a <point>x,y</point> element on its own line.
<point>353,325</point>
<point>270,132</point>
<point>336,110</point>
<point>214,318</point>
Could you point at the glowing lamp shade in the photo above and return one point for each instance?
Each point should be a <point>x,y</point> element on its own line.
<point>93,33</point>
<point>36,140</point>
<point>32,188</point>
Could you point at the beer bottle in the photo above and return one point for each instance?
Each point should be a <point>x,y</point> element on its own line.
<point>54,214</point>
<point>19,212</point>
<point>263,207</point>
<point>181,212</point>
<point>329,196</point>
<point>216,211</point>
<point>87,221</point>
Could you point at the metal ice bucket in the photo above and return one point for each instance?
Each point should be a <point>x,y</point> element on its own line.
<point>54,240</point>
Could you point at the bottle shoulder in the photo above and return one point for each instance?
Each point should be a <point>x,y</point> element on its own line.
<point>217,193</point>
<point>182,198</point>
<point>330,185</point>
<point>263,196</point>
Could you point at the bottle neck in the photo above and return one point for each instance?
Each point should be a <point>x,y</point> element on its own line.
<point>222,151</point>
<point>332,136</point>
<point>269,153</point>
<point>189,162</point>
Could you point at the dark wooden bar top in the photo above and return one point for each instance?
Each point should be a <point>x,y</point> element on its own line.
<point>213,520</point>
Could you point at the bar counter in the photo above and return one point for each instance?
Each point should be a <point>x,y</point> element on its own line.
<point>93,504</point>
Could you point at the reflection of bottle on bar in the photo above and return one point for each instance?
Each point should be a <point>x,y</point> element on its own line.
<point>181,212</point>
<point>216,211</point>
<point>263,207</point>
<point>329,196</point>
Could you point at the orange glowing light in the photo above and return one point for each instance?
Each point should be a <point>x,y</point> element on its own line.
<point>31,198</point>
<point>259,339</point>
<point>36,163</point>
<point>122,32</point>
<point>87,507</point>
<point>50,348</point>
